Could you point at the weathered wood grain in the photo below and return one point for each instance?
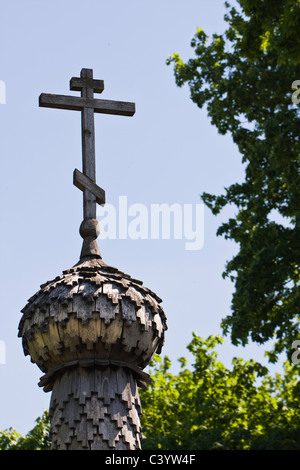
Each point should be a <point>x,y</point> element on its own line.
<point>92,413</point>
<point>82,182</point>
<point>76,103</point>
<point>76,84</point>
<point>87,105</point>
<point>91,331</point>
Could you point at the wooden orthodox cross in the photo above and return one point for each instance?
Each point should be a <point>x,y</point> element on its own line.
<point>88,105</point>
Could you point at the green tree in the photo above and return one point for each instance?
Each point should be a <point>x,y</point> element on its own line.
<point>36,439</point>
<point>207,406</point>
<point>212,407</point>
<point>244,79</point>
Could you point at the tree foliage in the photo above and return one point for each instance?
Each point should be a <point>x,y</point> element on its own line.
<point>206,406</point>
<point>36,439</point>
<point>244,79</point>
<point>213,407</point>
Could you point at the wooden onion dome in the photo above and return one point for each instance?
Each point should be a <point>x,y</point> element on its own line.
<point>91,331</point>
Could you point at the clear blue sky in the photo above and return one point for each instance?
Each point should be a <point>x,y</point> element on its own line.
<point>167,153</point>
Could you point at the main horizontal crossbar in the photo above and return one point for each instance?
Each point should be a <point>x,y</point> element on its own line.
<point>77,103</point>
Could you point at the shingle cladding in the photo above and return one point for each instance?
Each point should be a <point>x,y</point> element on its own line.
<point>92,311</point>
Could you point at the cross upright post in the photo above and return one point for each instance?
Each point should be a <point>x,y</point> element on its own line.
<point>88,143</point>
<point>86,181</point>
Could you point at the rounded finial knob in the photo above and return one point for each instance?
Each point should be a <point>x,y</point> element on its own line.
<point>89,228</point>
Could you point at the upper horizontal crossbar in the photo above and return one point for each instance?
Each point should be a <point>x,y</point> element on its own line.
<point>76,84</point>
